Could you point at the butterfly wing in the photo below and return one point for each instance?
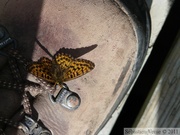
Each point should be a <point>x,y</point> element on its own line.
<point>62,68</point>
<point>77,68</point>
<point>63,60</point>
<point>41,71</point>
<point>45,61</point>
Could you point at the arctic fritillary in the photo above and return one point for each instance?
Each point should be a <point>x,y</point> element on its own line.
<point>61,68</point>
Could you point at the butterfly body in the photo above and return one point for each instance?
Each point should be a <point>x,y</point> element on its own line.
<point>60,69</point>
<point>57,73</point>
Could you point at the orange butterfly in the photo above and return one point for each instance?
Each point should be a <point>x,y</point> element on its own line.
<point>61,68</point>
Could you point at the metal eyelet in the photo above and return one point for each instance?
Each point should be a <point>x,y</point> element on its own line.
<point>29,126</point>
<point>66,98</point>
<point>5,40</point>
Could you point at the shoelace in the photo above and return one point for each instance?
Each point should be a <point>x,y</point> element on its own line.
<point>22,87</point>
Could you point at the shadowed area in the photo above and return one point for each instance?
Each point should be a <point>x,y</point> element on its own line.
<point>75,53</point>
<point>21,19</point>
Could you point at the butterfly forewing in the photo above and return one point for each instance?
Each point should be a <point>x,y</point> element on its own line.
<point>77,68</point>
<point>63,60</point>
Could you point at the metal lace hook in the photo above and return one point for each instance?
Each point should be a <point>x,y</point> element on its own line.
<point>66,98</point>
<point>5,39</point>
<point>31,127</point>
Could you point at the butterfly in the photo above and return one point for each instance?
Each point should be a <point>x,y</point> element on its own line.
<point>61,68</point>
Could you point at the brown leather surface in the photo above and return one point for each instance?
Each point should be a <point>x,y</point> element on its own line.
<point>76,25</point>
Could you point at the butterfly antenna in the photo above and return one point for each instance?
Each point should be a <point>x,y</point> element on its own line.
<point>44,48</point>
